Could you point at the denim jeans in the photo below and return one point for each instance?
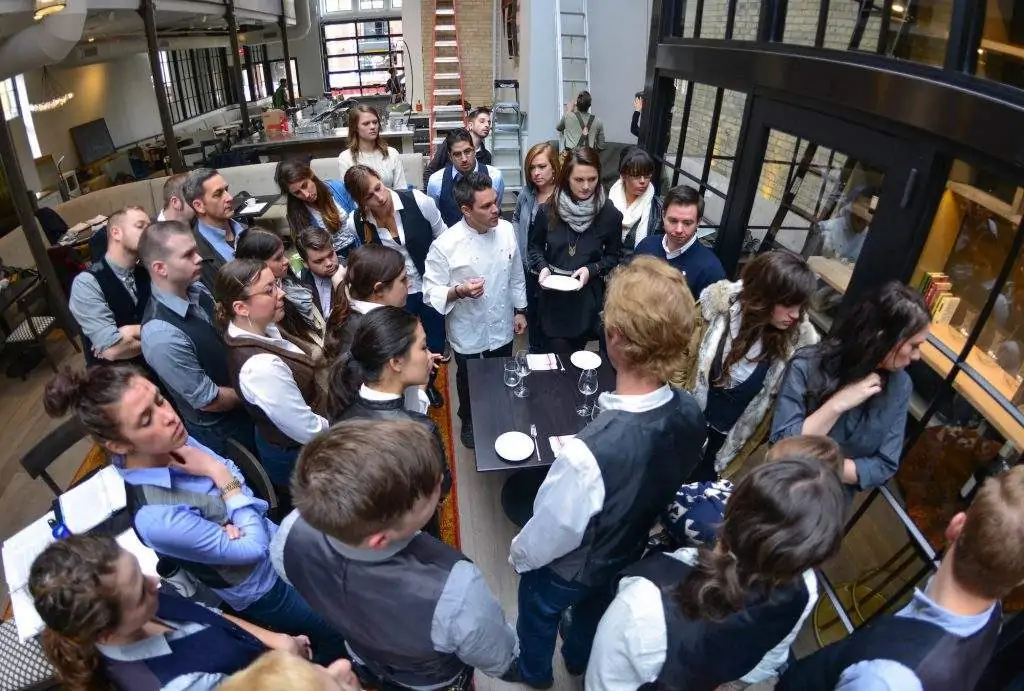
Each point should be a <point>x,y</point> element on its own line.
<point>278,463</point>
<point>543,597</point>
<point>283,610</point>
<point>430,318</point>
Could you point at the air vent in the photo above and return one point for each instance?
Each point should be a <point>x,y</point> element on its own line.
<point>89,51</point>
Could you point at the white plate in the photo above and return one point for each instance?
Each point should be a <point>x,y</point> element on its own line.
<point>584,359</point>
<point>566,284</point>
<point>514,447</point>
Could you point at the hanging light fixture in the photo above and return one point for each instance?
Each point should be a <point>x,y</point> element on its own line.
<point>54,95</point>
<point>47,7</point>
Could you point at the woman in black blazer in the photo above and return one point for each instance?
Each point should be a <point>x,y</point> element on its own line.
<point>578,233</point>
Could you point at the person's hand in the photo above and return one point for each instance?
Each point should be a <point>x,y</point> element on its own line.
<point>855,393</point>
<point>543,276</point>
<point>199,463</point>
<point>131,332</point>
<point>296,645</point>
<point>338,276</point>
<point>570,107</point>
<point>473,288</point>
<point>233,531</point>
<point>582,275</point>
<point>342,674</point>
<point>519,324</point>
<point>436,360</point>
<point>638,104</point>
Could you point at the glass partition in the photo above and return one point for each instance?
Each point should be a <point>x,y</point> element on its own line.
<point>1001,54</point>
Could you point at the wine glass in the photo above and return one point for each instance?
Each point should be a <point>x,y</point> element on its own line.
<point>595,409</point>
<point>512,377</point>
<point>523,368</point>
<point>587,387</point>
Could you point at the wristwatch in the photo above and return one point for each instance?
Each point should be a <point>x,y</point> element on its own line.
<point>230,487</point>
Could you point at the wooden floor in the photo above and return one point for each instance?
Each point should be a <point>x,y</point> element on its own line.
<point>486,533</point>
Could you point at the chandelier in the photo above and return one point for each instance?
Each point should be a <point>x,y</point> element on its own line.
<point>47,7</point>
<point>54,95</point>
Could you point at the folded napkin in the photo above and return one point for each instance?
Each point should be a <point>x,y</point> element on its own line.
<point>558,442</point>
<point>540,363</point>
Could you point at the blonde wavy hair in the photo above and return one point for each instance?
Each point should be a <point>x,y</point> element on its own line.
<point>650,307</point>
<point>274,671</point>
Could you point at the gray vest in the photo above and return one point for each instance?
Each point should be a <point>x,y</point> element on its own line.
<point>384,609</point>
<point>643,458</point>
<point>212,508</point>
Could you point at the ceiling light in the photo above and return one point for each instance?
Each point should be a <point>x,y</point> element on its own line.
<point>47,7</point>
<point>898,9</point>
<point>54,95</point>
<point>91,39</point>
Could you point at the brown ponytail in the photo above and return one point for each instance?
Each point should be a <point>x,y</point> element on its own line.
<point>232,283</point>
<point>90,394</point>
<point>782,519</point>
<point>73,590</point>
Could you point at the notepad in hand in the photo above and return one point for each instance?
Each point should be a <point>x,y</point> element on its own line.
<point>88,504</point>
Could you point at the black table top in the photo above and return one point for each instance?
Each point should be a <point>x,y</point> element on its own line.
<point>15,291</point>
<point>551,405</point>
<point>268,199</point>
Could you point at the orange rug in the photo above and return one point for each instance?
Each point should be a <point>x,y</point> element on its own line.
<point>450,506</point>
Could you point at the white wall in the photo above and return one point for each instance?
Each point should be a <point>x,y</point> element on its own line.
<point>412,33</point>
<point>538,73</point>
<point>618,60</point>
<point>306,52</point>
<point>120,91</point>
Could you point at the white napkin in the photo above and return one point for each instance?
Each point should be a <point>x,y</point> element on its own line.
<point>541,363</point>
<point>558,442</point>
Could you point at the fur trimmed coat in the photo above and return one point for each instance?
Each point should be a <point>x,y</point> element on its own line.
<point>752,425</point>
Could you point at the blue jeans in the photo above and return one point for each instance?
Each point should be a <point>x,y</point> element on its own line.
<point>236,425</point>
<point>543,597</point>
<point>283,610</point>
<point>278,462</point>
<point>430,318</point>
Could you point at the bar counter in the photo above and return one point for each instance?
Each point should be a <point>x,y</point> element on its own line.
<point>318,145</point>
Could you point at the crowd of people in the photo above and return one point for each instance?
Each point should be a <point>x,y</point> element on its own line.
<point>203,337</point>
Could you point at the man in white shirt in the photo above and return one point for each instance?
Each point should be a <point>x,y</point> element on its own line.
<point>609,484</point>
<point>175,206</point>
<point>462,160</point>
<point>474,276</point>
<point>323,270</point>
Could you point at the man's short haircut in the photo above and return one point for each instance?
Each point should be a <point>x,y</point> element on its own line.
<point>988,555</point>
<point>479,110</point>
<point>811,446</point>
<point>117,218</point>
<point>175,187</point>
<point>363,476</point>
<point>153,243</point>
<point>583,102</point>
<point>192,188</point>
<point>650,307</point>
<point>456,136</point>
<point>685,195</point>
<point>314,238</point>
<point>468,185</point>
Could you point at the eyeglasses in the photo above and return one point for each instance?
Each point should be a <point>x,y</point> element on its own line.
<point>270,290</point>
<point>640,176</point>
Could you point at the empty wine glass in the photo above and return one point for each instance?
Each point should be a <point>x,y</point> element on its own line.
<point>512,377</point>
<point>595,409</point>
<point>523,368</point>
<point>587,387</point>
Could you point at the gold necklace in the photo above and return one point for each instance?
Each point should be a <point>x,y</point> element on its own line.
<point>572,247</point>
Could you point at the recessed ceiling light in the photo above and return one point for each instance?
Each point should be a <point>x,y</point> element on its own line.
<point>899,9</point>
<point>91,39</point>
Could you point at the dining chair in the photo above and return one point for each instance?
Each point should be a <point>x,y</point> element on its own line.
<point>255,476</point>
<point>34,328</point>
<point>42,455</point>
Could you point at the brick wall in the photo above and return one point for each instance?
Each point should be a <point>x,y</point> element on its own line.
<point>476,41</point>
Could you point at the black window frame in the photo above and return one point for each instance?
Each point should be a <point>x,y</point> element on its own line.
<point>394,54</point>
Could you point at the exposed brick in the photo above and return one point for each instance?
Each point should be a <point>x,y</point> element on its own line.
<point>476,43</point>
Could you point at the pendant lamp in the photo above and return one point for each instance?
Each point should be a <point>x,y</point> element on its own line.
<point>47,7</point>
<point>54,95</point>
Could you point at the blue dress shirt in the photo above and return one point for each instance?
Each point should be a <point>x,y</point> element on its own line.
<point>215,236</point>
<point>182,532</point>
<point>435,182</point>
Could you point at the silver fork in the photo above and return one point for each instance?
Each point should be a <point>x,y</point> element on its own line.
<point>536,446</point>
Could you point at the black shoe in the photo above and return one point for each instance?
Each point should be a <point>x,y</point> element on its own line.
<point>434,396</point>
<point>466,436</point>
<point>514,676</point>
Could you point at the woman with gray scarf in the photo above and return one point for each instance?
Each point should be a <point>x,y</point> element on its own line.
<point>577,235</point>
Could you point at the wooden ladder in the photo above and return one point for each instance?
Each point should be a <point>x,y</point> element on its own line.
<point>445,74</point>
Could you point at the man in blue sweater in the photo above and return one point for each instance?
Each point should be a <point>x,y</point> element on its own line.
<point>683,209</point>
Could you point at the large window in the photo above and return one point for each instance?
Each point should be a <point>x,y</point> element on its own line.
<point>327,6</point>
<point>358,54</point>
<point>8,99</point>
<point>277,74</point>
<point>195,81</point>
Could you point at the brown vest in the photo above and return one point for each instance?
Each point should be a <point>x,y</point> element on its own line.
<point>303,367</point>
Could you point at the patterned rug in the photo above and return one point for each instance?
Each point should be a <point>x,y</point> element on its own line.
<point>441,416</point>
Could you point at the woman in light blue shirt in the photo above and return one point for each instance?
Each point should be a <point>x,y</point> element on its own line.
<point>315,202</point>
<point>188,504</point>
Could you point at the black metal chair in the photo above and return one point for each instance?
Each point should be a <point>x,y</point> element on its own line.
<point>255,476</point>
<point>43,454</point>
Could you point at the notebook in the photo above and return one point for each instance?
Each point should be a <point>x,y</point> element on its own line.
<point>86,505</point>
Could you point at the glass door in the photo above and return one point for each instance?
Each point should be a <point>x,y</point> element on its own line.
<point>841,195</point>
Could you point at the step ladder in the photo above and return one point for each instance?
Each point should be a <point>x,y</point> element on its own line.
<point>573,49</point>
<point>445,74</point>
<point>507,134</point>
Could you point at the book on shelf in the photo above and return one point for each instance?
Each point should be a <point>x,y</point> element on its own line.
<point>944,308</point>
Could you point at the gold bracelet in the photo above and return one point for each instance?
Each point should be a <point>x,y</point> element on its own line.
<point>230,487</point>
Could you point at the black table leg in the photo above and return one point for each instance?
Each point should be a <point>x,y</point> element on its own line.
<point>518,493</point>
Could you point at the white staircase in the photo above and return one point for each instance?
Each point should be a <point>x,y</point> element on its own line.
<point>573,49</point>
<point>445,74</point>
